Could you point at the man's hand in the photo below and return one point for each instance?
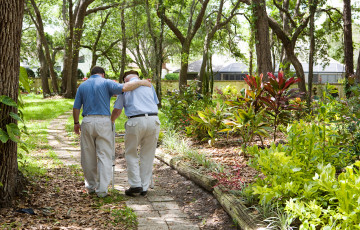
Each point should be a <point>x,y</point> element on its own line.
<point>146,83</point>
<point>77,128</point>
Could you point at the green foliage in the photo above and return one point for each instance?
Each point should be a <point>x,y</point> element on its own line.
<point>226,93</point>
<point>247,123</point>
<point>174,142</point>
<point>179,107</point>
<point>338,206</point>
<point>206,124</point>
<point>172,76</point>
<point>12,131</point>
<point>125,216</point>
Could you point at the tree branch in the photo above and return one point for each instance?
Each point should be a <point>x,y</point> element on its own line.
<point>286,12</point>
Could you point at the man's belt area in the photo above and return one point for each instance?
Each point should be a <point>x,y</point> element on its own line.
<point>143,115</point>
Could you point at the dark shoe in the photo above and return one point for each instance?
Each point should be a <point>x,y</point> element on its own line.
<point>143,193</point>
<point>133,191</point>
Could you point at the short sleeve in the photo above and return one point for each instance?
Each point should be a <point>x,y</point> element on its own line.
<point>78,102</point>
<point>155,96</point>
<point>119,103</point>
<point>114,87</point>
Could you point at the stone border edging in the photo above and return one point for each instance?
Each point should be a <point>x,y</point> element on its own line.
<point>230,203</point>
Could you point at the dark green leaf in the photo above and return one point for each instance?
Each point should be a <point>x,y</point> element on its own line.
<point>13,132</point>
<point>7,101</point>
<point>15,116</point>
<point>3,136</point>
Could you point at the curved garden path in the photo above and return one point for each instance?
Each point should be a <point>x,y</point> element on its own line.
<point>156,211</point>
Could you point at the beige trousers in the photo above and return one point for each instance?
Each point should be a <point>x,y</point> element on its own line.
<point>143,132</point>
<point>97,149</point>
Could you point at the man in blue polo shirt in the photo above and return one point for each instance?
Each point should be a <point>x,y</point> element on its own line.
<point>97,131</point>
<point>142,128</point>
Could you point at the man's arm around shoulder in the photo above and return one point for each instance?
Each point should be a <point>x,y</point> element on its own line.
<point>129,86</point>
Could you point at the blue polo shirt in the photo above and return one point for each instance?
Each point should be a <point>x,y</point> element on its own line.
<point>139,101</point>
<point>95,94</point>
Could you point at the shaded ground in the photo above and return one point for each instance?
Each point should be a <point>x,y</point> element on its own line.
<point>59,202</point>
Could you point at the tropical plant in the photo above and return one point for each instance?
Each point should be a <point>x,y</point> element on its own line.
<point>206,124</point>
<point>278,95</point>
<point>247,123</point>
<point>252,96</point>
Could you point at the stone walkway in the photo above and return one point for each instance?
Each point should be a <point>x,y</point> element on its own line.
<point>156,211</point>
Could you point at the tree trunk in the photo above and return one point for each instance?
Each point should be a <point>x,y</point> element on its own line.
<point>66,74</point>
<point>358,69</point>
<point>348,45</point>
<point>11,16</point>
<point>298,68</point>
<point>204,89</point>
<point>313,6</point>
<point>44,69</point>
<point>184,66</point>
<point>263,53</point>
<point>123,47</point>
<point>289,45</point>
<point>40,29</point>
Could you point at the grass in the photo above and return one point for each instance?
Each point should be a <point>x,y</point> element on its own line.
<point>173,142</point>
<point>37,108</point>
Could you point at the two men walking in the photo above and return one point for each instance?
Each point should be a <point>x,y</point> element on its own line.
<point>97,129</point>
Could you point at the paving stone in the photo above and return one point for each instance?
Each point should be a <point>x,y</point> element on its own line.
<point>143,214</point>
<point>137,200</point>
<point>140,207</point>
<point>160,198</point>
<point>153,227</point>
<point>160,206</point>
<point>168,214</point>
<point>180,224</point>
<point>151,220</point>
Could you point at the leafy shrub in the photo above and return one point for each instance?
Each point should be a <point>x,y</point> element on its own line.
<point>226,93</point>
<point>338,205</point>
<point>178,107</point>
<point>206,124</point>
<point>172,76</point>
<point>246,123</point>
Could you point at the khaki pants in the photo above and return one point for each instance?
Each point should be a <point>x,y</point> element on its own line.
<point>97,149</point>
<point>143,132</point>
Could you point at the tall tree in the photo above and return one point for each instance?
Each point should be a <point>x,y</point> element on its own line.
<point>348,44</point>
<point>157,35</point>
<point>289,38</point>
<point>313,6</point>
<point>185,38</point>
<point>11,17</point>
<point>38,21</point>
<point>74,17</point>
<point>44,68</point>
<point>123,45</point>
<point>263,54</point>
<point>212,27</point>
<point>101,35</point>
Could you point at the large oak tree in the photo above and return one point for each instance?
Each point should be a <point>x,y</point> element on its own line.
<point>11,17</point>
